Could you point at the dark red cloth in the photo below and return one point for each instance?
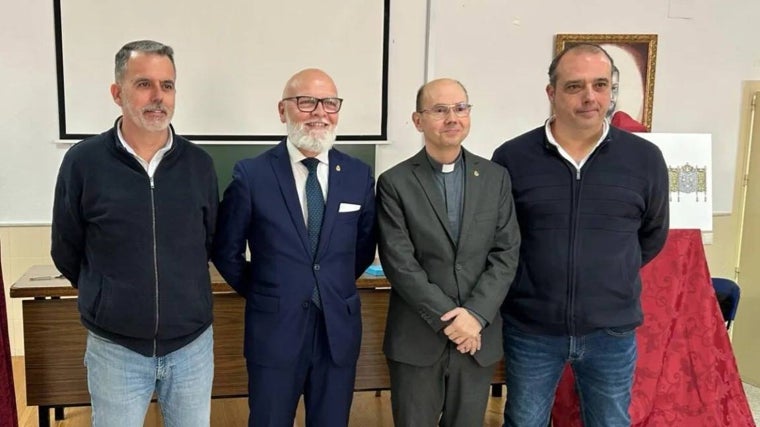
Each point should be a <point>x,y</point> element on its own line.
<point>686,374</point>
<point>623,121</point>
<point>8,416</point>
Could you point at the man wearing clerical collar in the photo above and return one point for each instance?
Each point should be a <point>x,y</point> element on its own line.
<point>449,244</point>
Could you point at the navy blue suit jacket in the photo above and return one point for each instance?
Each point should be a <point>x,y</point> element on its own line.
<point>261,209</point>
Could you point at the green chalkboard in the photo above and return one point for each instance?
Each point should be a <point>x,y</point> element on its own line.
<point>225,157</point>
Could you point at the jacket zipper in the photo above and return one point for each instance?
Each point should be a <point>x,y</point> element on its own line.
<point>577,188</point>
<point>153,225</point>
<point>155,258</point>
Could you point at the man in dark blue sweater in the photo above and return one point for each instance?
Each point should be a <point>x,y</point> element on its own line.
<point>133,218</point>
<point>592,204</point>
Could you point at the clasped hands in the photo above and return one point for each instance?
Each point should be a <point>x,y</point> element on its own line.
<point>464,330</point>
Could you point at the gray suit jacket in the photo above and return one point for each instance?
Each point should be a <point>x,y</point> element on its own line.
<point>428,272</point>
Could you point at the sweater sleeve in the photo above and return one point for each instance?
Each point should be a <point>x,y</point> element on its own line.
<point>656,220</point>
<point>68,225</point>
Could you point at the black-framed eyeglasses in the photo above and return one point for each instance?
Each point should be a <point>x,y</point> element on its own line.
<point>307,104</point>
<point>440,111</point>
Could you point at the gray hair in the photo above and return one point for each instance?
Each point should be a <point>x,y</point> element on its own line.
<point>580,47</point>
<point>143,46</point>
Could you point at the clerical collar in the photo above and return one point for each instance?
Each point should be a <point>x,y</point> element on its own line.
<point>445,167</point>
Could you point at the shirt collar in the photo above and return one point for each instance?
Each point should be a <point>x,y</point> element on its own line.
<point>296,155</point>
<point>445,168</point>
<point>130,150</point>
<point>553,141</point>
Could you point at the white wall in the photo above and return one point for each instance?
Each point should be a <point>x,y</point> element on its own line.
<point>500,50</point>
<point>28,110</point>
<point>28,94</point>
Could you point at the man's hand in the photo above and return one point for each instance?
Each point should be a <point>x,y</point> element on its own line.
<point>464,330</point>
<point>469,346</point>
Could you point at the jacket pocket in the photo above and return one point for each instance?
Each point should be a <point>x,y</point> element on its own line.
<point>125,309</point>
<point>89,294</point>
<point>352,216</point>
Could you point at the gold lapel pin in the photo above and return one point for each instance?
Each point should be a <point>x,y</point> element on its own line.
<point>476,173</point>
<point>337,168</point>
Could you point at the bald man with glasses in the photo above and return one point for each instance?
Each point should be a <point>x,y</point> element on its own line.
<point>449,244</point>
<point>306,213</point>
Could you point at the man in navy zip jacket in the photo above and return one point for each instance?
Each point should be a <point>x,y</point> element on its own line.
<point>133,219</point>
<point>592,204</point>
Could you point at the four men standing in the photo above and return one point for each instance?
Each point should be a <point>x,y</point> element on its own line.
<point>135,212</point>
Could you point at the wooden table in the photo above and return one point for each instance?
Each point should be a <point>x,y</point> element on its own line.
<point>54,341</point>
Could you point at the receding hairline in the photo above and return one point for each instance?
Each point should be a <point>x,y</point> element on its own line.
<point>422,91</point>
<point>577,49</point>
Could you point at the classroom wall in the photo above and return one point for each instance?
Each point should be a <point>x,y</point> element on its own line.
<point>499,50</point>
<point>29,101</point>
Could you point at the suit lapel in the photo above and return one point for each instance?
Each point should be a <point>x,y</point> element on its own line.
<point>280,161</point>
<point>424,174</point>
<point>472,193</point>
<point>334,196</point>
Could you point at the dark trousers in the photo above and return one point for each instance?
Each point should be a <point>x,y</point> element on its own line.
<point>452,392</point>
<point>273,392</point>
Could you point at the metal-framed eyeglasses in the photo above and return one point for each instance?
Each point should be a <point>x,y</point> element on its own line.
<point>440,111</point>
<point>307,104</point>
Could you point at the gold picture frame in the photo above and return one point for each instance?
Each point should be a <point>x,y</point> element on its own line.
<point>633,55</point>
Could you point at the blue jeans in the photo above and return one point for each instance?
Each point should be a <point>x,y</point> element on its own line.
<point>122,382</point>
<point>603,363</point>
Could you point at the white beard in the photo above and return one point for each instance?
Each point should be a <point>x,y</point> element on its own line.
<point>136,114</point>
<point>300,137</point>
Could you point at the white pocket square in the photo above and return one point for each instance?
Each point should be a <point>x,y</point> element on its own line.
<point>348,207</point>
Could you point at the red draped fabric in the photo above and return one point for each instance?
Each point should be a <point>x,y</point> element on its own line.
<point>8,417</point>
<point>623,121</point>
<point>686,374</point>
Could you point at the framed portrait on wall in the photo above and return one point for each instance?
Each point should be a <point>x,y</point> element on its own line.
<point>634,56</point>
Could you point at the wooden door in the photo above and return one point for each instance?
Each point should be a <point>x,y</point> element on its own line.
<point>745,336</point>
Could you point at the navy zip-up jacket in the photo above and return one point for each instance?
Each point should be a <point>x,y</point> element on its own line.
<point>137,249</point>
<point>584,236</point>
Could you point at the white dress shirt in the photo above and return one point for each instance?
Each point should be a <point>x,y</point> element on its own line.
<point>150,168</point>
<point>563,153</point>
